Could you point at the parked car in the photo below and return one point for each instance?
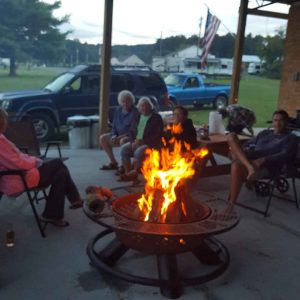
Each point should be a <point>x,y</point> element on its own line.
<point>77,92</point>
<point>190,89</point>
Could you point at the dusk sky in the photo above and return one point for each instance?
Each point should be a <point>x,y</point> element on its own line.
<point>142,21</point>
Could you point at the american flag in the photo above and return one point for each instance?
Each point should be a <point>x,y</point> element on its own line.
<point>211,28</point>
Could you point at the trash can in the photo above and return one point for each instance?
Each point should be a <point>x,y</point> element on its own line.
<point>94,131</point>
<point>79,132</point>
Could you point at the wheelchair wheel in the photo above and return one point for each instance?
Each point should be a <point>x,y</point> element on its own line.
<point>262,189</point>
<point>282,185</point>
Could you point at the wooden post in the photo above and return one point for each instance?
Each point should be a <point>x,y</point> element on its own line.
<point>238,52</point>
<point>105,67</point>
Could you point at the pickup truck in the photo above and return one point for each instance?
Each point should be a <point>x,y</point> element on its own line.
<point>190,89</point>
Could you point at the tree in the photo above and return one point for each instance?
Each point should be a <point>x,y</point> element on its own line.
<point>272,53</point>
<point>29,30</point>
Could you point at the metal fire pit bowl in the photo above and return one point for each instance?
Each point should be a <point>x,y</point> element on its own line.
<point>167,242</point>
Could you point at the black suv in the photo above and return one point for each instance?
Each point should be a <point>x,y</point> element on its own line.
<point>76,92</point>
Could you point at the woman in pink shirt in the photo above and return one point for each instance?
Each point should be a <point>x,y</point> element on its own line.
<point>38,173</point>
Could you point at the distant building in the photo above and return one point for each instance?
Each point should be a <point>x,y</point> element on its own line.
<point>133,60</point>
<point>114,61</point>
<point>5,62</point>
<point>185,60</point>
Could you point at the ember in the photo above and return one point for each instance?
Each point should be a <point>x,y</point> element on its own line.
<point>165,171</point>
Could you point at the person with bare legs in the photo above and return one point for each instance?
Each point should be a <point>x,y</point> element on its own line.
<point>260,155</point>
<point>149,133</point>
<point>124,128</point>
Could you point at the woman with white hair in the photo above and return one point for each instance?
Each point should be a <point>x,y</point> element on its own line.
<point>149,134</point>
<point>123,127</point>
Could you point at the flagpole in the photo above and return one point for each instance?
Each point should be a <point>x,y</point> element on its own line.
<point>232,34</point>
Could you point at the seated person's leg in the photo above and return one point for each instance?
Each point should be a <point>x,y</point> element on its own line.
<point>237,177</point>
<point>126,154</point>
<point>106,143</point>
<point>124,140</point>
<point>238,153</point>
<point>56,174</point>
<point>139,155</point>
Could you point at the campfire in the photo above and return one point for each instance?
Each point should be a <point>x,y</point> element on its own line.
<point>165,199</point>
<point>162,219</point>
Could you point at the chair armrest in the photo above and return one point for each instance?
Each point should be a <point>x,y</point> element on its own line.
<point>18,172</point>
<point>12,172</point>
<point>53,143</point>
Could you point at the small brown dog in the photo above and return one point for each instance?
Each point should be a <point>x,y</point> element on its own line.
<point>96,197</point>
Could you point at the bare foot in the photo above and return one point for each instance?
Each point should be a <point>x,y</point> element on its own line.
<point>251,173</point>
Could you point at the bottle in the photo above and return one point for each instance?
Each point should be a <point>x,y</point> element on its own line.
<point>10,238</point>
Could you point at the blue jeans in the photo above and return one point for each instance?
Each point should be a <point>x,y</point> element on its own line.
<point>138,154</point>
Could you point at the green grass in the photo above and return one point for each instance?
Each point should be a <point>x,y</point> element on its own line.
<point>257,93</point>
<point>27,79</point>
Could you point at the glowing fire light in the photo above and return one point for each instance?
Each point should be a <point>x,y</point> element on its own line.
<point>164,171</point>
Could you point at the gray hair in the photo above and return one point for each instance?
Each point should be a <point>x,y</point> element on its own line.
<point>126,94</point>
<point>145,99</point>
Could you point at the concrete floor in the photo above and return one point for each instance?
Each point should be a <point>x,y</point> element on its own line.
<point>265,253</point>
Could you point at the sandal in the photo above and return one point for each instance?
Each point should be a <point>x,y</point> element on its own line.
<point>110,166</point>
<point>76,204</point>
<point>57,223</point>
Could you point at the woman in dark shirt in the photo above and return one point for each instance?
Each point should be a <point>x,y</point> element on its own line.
<point>149,134</point>
<point>188,134</point>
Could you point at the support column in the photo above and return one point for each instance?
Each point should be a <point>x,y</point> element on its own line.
<point>238,52</point>
<point>105,67</point>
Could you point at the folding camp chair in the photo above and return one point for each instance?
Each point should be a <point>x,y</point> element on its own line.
<point>32,195</point>
<point>277,183</point>
<point>23,135</point>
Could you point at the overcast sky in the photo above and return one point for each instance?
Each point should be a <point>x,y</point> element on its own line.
<point>144,21</point>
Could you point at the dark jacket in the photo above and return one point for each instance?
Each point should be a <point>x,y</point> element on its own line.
<point>153,131</point>
<point>188,134</point>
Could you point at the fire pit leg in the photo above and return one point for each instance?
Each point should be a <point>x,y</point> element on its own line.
<point>168,275</point>
<point>112,252</point>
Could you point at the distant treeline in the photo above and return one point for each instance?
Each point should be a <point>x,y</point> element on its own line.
<point>223,46</point>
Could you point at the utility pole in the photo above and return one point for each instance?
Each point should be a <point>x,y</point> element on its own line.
<point>160,44</point>
<point>199,40</point>
<point>77,56</point>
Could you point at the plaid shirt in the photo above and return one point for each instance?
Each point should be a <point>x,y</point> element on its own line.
<point>241,116</point>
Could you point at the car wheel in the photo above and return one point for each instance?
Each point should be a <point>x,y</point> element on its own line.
<point>43,125</point>
<point>220,102</point>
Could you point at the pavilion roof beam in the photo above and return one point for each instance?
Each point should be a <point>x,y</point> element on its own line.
<point>264,13</point>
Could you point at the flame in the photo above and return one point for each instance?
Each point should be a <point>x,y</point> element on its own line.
<point>164,171</point>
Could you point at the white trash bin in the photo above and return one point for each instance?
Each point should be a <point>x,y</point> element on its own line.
<point>94,131</point>
<point>79,132</point>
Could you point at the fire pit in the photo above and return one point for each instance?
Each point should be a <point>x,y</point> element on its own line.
<point>164,218</point>
<point>167,242</point>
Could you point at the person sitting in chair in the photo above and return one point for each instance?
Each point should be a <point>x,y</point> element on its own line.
<point>188,133</point>
<point>149,133</point>
<point>38,174</point>
<point>123,127</point>
<point>261,155</point>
